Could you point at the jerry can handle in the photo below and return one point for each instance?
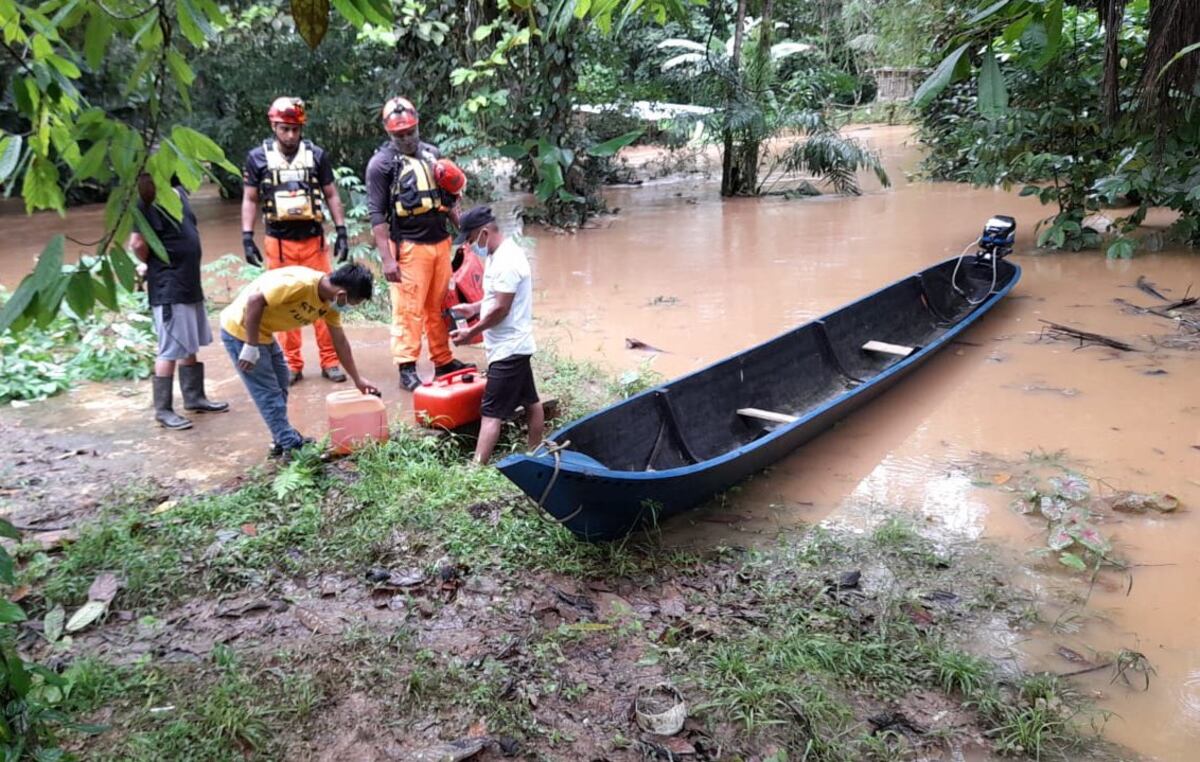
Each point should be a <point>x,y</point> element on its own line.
<point>451,376</point>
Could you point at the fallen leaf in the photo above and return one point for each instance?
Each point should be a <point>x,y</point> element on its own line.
<point>241,607</point>
<point>104,588</point>
<point>19,593</point>
<point>164,506</point>
<point>455,751</point>
<point>317,623</point>
<point>87,613</point>
<point>250,530</point>
<point>52,625</point>
<point>1001,478</point>
<point>478,729</point>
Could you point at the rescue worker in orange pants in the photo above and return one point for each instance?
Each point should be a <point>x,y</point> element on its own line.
<point>290,180</point>
<point>409,209</point>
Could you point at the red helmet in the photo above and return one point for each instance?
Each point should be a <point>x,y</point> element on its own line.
<point>287,110</point>
<point>399,114</point>
<point>449,177</point>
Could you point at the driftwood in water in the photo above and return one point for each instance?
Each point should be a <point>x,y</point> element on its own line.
<point>1060,331</point>
<point>1148,287</point>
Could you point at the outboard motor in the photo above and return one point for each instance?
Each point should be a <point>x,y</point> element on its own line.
<point>995,243</point>
<point>999,232</point>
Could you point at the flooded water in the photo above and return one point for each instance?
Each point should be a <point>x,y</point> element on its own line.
<point>701,278</point>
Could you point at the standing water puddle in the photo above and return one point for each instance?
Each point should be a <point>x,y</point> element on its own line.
<point>700,278</point>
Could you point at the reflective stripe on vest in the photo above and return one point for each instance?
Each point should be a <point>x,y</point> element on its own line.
<point>290,190</point>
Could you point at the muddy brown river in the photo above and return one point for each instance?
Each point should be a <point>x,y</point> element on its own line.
<point>701,278</point>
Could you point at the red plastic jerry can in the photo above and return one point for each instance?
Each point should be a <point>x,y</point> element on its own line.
<point>450,401</point>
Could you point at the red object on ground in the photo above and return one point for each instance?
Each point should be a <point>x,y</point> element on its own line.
<point>451,400</point>
<point>466,287</point>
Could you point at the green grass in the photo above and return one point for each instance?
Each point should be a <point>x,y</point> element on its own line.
<point>403,502</point>
<point>803,672</point>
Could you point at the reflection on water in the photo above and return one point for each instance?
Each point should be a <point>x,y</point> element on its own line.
<point>701,278</point>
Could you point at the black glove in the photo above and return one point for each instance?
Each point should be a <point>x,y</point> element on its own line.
<point>250,249</point>
<point>341,245</point>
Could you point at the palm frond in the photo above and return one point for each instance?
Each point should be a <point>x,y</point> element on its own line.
<point>834,159</point>
<point>681,59</point>
<point>676,42</point>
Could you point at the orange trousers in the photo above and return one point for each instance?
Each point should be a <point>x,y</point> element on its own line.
<point>309,252</point>
<point>418,300</point>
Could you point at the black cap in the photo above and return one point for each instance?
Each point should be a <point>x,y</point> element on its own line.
<point>472,220</point>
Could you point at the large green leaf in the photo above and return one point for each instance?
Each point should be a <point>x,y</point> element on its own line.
<point>552,180</point>
<point>49,264</point>
<point>950,69</point>
<point>610,147</point>
<point>152,239</point>
<point>350,12</point>
<point>199,146</point>
<point>183,76</point>
<point>194,25</point>
<point>1052,22</point>
<point>106,287</point>
<point>95,39</point>
<point>17,303</point>
<point>92,163</point>
<point>40,188</point>
<point>7,575</point>
<point>80,296</point>
<point>8,530</point>
<point>993,95</point>
<point>123,267</point>
<point>50,298</point>
<point>10,154</point>
<point>513,151</point>
<point>312,20</point>
<point>10,612</point>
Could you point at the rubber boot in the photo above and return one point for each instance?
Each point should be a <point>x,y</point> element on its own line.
<point>450,367</point>
<point>164,412</point>
<point>409,379</point>
<point>191,383</point>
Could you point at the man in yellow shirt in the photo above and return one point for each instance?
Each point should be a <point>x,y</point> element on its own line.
<point>281,300</point>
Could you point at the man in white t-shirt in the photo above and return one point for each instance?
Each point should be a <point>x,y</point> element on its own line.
<point>506,321</point>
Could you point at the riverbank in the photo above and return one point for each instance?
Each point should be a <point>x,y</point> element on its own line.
<point>403,605</point>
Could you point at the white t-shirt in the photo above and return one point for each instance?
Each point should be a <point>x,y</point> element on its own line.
<point>507,271</point>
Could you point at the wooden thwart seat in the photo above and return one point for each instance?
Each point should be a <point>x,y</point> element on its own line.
<point>766,415</point>
<point>891,349</point>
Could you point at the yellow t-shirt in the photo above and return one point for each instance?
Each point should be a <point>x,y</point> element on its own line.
<point>292,301</point>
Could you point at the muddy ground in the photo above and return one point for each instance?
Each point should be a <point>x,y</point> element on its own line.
<point>224,638</point>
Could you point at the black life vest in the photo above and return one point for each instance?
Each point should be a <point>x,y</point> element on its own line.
<point>290,190</point>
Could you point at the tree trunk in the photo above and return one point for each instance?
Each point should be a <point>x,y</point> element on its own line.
<point>730,176</point>
<point>1112,14</point>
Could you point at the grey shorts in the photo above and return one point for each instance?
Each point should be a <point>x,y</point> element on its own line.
<point>182,329</point>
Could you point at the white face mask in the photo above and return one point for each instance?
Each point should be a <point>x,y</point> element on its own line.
<point>340,308</point>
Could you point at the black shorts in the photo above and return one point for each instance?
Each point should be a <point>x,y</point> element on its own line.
<point>509,385</point>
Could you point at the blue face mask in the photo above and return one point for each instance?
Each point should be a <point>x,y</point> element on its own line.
<point>480,250</point>
<point>339,308</point>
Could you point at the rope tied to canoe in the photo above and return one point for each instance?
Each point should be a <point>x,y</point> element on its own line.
<point>554,448</point>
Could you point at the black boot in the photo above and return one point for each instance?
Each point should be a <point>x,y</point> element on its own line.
<point>191,383</point>
<point>409,379</point>
<point>164,412</point>
<point>452,366</point>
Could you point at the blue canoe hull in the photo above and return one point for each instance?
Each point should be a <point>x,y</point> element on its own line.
<point>604,485</point>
